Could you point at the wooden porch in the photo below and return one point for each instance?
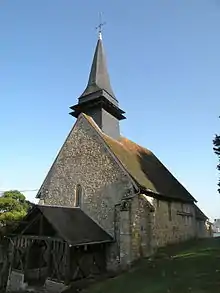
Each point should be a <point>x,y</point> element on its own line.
<point>60,244</point>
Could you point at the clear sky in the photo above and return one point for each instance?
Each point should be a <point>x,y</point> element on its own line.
<point>164,63</point>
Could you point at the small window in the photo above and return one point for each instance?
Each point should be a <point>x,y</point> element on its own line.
<point>78,196</point>
<point>169,211</point>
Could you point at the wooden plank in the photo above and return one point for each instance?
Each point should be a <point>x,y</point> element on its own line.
<point>42,237</point>
<point>55,257</point>
<point>37,237</point>
<point>67,263</point>
<point>49,247</point>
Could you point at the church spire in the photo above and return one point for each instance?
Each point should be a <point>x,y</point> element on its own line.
<point>99,77</point>
<point>98,99</point>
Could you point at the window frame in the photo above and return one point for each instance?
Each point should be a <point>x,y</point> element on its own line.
<point>78,195</point>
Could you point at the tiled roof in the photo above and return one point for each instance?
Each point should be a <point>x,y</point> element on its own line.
<point>145,168</point>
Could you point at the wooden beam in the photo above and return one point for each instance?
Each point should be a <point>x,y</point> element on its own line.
<point>93,243</point>
<point>48,258</point>
<point>67,263</point>
<point>42,238</point>
<point>30,223</point>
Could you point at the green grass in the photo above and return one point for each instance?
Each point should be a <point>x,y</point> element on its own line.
<point>190,267</point>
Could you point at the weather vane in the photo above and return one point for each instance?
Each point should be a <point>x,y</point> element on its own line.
<point>101,24</point>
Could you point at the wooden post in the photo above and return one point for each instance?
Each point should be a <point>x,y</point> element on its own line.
<point>67,263</point>
<point>48,257</point>
<point>27,255</point>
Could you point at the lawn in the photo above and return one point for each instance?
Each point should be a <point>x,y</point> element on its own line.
<point>191,267</point>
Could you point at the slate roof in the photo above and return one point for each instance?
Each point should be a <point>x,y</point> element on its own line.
<point>98,93</point>
<point>99,77</point>
<point>145,168</point>
<point>71,224</point>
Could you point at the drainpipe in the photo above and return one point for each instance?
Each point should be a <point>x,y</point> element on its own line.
<point>135,194</point>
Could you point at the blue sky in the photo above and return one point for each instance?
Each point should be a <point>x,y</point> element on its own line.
<point>163,59</point>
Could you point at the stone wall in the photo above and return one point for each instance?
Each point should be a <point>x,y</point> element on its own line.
<point>141,233</point>
<point>200,229</point>
<point>172,222</point>
<point>125,235</point>
<point>135,230</point>
<point>156,223</point>
<point>203,229</point>
<point>85,159</point>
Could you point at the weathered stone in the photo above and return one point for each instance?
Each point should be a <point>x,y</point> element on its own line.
<point>84,159</point>
<point>138,223</point>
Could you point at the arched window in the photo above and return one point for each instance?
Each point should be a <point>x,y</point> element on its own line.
<point>78,196</point>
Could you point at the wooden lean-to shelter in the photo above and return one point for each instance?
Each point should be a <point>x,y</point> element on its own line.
<point>58,243</point>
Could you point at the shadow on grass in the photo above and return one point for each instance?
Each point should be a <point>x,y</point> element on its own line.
<point>190,267</point>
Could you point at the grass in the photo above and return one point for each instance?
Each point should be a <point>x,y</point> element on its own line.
<point>190,267</point>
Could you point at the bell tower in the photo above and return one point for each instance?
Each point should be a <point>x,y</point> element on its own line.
<point>98,99</point>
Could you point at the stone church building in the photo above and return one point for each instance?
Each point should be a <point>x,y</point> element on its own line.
<point>104,189</point>
<point>121,186</point>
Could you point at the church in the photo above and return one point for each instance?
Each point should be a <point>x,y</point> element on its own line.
<point>120,185</point>
<point>105,195</point>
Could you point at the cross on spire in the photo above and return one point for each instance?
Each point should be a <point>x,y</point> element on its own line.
<point>99,27</point>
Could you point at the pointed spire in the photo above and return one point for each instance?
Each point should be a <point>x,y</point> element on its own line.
<point>99,77</point>
<point>98,100</point>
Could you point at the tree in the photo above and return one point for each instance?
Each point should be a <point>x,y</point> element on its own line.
<point>13,207</point>
<point>216,148</point>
